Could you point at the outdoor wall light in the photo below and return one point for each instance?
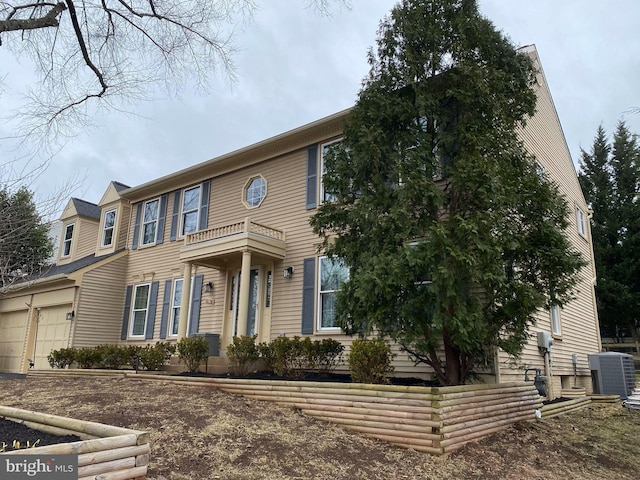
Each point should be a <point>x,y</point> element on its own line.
<point>288,272</point>
<point>70,315</point>
<point>208,287</point>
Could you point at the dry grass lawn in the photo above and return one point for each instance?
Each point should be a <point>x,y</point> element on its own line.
<point>201,433</point>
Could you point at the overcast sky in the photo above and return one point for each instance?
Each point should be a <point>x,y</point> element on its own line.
<point>295,66</point>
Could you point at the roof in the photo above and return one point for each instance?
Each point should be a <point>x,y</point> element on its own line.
<point>86,209</point>
<point>119,186</point>
<point>71,267</point>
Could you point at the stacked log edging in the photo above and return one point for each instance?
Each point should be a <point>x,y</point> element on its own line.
<point>105,453</point>
<point>433,420</point>
<point>559,408</point>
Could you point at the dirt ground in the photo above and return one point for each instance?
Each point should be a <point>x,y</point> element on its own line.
<point>201,433</point>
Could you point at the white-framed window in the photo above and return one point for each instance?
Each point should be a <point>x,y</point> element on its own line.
<point>176,299</point>
<point>326,196</point>
<point>332,273</point>
<point>255,190</point>
<point>190,215</point>
<point>150,221</point>
<point>581,218</point>
<point>556,327</point>
<point>139,310</point>
<point>66,242</point>
<point>108,227</point>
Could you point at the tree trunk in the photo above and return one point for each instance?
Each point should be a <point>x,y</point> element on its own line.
<point>453,364</point>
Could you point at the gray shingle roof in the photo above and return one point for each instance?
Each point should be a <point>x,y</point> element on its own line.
<point>119,186</point>
<point>86,209</point>
<point>71,267</point>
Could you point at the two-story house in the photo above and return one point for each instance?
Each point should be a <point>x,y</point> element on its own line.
<point>225,247</point>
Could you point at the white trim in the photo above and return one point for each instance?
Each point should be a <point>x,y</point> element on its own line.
<point>65,240</point>
<point>134,310</point>
<point>181,232</point>
<point>112,227</point>
<point>143,223</point>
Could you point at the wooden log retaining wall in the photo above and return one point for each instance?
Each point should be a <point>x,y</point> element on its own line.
<point>433,420</point>
<point>105,452</point>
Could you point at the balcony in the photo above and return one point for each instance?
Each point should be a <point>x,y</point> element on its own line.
<point>217,246</point>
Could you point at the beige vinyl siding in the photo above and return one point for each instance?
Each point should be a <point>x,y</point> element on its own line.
<point>83,241</point>
<point>98,317</point>
<point>124,212</point>
<point>580,334</point>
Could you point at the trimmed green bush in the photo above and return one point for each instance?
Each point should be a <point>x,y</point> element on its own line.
<point>113,356</point>
<point>88,357</point>
<point>152,357</point>
<point>193,351</point>
<point>243,353</point>
<point>370,360</point>
<point>62,358</point>
<point>324,355</point>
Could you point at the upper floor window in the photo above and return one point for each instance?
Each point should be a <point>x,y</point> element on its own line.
<point>108,228</point>
<point>150,222</point>
<point>66,242</point>
<point>332,273</point>
<point>582,222</point>
<point>255,190</point>
<point>325,195</point>
<point>139,311</point>
<point>190,210</point>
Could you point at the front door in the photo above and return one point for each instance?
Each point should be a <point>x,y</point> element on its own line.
<point>253,316</point>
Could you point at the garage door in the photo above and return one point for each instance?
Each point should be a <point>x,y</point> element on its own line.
<point>13,328</point>
<point>52,334</point>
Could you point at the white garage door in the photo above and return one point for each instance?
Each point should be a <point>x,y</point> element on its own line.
<point>52,334</point>
<point>13,328</point>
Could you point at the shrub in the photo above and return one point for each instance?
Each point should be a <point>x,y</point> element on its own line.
<point>288,356</point>
<point>88,357</point>
<point>324,355</point>
<point>370,360</point>
<point>267,355</point>
<point>152,357</point>
<point>132,353</point>
<point>113,356</point>
<point>62,358</point>
<point>243,353</point>
<point>193,351</point>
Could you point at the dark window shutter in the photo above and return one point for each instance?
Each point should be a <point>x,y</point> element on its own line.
<point>162,216</point>
<point>136,226</point>
<point>126,312</point>
<point>151,312</point>
<point>312,177</point>
<point>195,305</point>
<point>204,205</point>
<point>166,309</point>
<point>175,217</point>
<point>308,294</point>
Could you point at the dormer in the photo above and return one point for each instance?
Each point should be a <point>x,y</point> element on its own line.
<point>80,221</point>
<point>114,220</point>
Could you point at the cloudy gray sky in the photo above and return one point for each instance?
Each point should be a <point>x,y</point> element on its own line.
<point>295,66</point>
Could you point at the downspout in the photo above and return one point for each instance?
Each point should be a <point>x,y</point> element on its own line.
<point>594,281</point>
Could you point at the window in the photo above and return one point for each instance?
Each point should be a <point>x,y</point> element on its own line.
<point>582,222</point>
<point>255,191</point>
<point>108,228</point>
<point>555,320</point>
<point>190,210</point>
<point>332,273</point>
<point>139,313</point>
<point>66,243</point>
<point>267,302</point>
<point>325,195</point>
<point>150,222</point>
<point>176,299</point>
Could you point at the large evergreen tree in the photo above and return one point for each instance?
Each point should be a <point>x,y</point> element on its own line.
<point>25,247</point>
<point>610,178</point>
<point>452,238</point>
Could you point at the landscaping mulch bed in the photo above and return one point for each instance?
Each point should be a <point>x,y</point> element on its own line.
<point>12,432</point>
